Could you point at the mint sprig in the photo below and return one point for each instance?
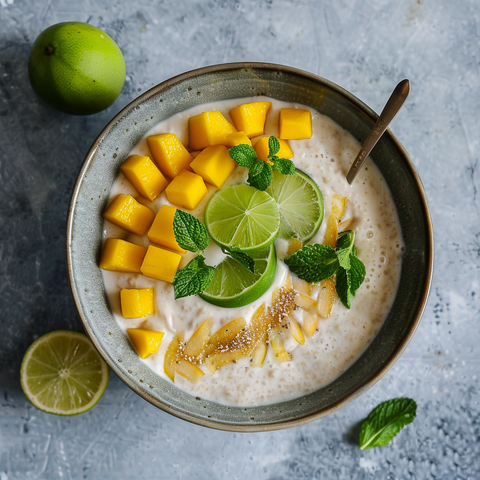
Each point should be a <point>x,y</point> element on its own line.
<point>241,257</point>
<point>244,155</point>
<point>193,278</point>
<point>189,232</point>
<point>385,421</point>
<point>315,263</point>
<point>261,173</point>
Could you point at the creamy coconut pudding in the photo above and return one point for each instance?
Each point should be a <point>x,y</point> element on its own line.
<point>314,342</point>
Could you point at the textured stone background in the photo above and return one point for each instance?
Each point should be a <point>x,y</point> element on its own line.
<point>366,46</point>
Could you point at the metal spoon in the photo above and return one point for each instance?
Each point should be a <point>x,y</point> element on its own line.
<point>393,105</point>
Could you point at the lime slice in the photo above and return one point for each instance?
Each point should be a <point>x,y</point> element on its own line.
<point>234,286</point>
<point>62,373</point>
<point>300,203</point>
<point>243,217</point>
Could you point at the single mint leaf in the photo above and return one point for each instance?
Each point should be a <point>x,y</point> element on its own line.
<point>343,284</point>
<point>241,257</point>
<point>193,278</point>
<point>189,232</point>
<point>244,155</point>
<point>385,421</point>
<point>357,273</point>
<point>260,175</point>
<point>283,165</point>
<point>314,263</point>
<point>273,146</point>
<point>345,244</point>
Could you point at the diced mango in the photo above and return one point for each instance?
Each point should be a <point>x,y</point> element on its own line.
<point>214,165</point>
<point>275,338</point>
<point>331,232</point>
<point>302,286</point>
<point>146,342</point>
<point>144,176</point>
<point>127,213</point>
<point>188,370</point>
<point>137,303</point>
<point>160,264</point>
<point>172,354</point>
<point>294,124</point>
<point>198,340</point>
<point>326,297</point>
<point>186,190</point>
<point>207,129</point>
<point>339,204</point>
<point>169,153</point>
<point>305,302</point>
<point>195,153</point>
<point>121,256</point>
<point>225,334</point>
<point>161,232</point>
<point>294,245</point>
<point>250,117</point>
<point>261,147</point>
<point>296,330</point>
<point>259,354</point>
<point>310,322</point>
<point>237,138</point>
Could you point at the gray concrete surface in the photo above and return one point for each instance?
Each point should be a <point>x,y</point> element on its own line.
<point>366,47</point>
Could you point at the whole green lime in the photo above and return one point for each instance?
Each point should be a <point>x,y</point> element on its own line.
<point>76,68</point>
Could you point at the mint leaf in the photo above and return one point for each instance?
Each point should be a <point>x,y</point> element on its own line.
<point>345,244</point>
<point>242,258</point>
<point>314,263</point>
<point>283,165</point>
<point>244,155</point>
<point>260,175</point>
<point>189,232</point>
<point>357,273</point>
<point>385,421</point>
<point>193,278</point>
<point>342,286</point>
<point>273,146</point>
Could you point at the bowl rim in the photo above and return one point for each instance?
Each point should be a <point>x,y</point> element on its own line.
<point>429,254</point>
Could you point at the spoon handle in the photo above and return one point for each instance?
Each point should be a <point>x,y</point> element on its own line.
<point>393,105</point>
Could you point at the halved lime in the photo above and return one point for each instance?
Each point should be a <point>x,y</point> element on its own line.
<point>300,203</point>
<point>62,373</point>
<point>234,286</point>
<point>242,217</point>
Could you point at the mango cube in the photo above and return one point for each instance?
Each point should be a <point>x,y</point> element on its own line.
<point>146,342</point>
<point>214,165</point>
<point>186,190</point>
<point>136,303</point>
<point>207,129</point>
<point>250,117</point>
<point>294,124</point>
<point>261,147</point>
<point>127,213</point>
<point>160,264</point>
<point>144,176</point>
<point>237,138</point>
<point>169,153</point>
<point>121,256</point>
<point>161,231</point>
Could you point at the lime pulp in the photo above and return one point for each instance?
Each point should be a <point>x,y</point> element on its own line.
<point>300,203</point>
<point>242,217</point>
<point>234,286</point>
<point>63,374</point>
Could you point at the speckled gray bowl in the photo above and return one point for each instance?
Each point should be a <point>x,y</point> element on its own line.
<point>218,83</point>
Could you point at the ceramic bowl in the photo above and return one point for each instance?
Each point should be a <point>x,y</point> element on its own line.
<point>100,170</point>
